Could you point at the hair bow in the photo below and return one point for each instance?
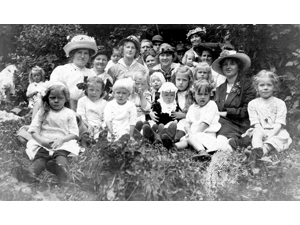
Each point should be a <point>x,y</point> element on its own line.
<point>83,85</point>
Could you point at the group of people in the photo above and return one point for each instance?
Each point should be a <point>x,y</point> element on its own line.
<point>148,89</point>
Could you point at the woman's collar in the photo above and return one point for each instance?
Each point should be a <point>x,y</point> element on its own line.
<point>121,61</point>
<point>76,67</point>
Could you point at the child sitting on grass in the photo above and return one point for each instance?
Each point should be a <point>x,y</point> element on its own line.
<point>202,122</point>
<point>54,130</point>
<point>120,115</point>
<point>91,106</point>
<point>267,116</point>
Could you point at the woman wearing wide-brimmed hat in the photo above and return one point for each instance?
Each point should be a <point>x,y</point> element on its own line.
<point>233,96</point>
<point>166,57</point>
<point>79,50</point>
<point>130,50</point>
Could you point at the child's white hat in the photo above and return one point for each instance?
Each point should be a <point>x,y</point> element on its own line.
<point>81,41</point>
<point>168,87</point>
<point>159,75</point>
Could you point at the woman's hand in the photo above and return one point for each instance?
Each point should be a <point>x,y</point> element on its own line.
<point>178,115</point>
<point>153,116</point>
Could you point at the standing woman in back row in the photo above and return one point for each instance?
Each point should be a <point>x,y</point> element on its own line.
<point>79,50</point>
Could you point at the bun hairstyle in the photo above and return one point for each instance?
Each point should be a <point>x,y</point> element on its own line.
<point>266,74</point>
<point>95,80</point>
<point>36,69</point>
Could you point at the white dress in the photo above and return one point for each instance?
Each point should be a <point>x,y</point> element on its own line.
<point>70,75</point>
<point>92,112</point>
<point>57,124</point>
<point>121,117</point>
<point>141,112</point>
<point>267,113</point>
<point>208,114</point>
<point>33,87</point>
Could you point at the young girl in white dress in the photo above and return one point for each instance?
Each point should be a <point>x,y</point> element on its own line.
<point>120,115</point>
<point>201,121</point>
<point>267,115</point>
<point>91,106</point>
<point>54,130</point>
<point>36,88</point>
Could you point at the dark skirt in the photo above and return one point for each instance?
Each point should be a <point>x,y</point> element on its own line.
<point>230,129</point>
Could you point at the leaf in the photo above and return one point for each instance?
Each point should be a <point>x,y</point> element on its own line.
<point>255,170</point>
<point>257,189</point>
<point>266,159</point>
<point>110,195</point>
<point>288,98</point>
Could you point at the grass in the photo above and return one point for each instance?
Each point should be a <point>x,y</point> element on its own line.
<point>143,171</point>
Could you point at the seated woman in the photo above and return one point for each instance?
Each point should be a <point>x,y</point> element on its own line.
<point>233,96</point>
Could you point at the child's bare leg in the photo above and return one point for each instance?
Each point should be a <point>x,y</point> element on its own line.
<point>195,144</point>
<point>257,138</point>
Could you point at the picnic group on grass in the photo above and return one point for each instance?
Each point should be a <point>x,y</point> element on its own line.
<point>149,89</point>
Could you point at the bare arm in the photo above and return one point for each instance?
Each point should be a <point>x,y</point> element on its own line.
<point>59,142</point>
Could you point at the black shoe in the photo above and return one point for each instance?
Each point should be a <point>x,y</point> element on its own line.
<point>155,128</point>
<point>24,175</point>
<point>58,170</point>
<point>202,156</point>
<point>258,152</point>
<point>148,132</point>
<point>171,130</point>
<point>139,125</point>
<point>167,141</point>
<point>137,135</point>
<point>160,129</point>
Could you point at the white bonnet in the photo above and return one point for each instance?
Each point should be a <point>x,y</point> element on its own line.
<point>159,75</point>
<point>168,87</point>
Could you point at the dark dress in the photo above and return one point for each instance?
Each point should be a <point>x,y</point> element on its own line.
<point>237,120</point>
<point>164,118</point>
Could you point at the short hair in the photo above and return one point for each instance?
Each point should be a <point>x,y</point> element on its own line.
<point>265,73</point>
<point>126,83</point>
<point>55,86</point>
<point>202,85</point>
<point>147,40</point>
<point>205,66</point>
<point>121,49</point>
<point>95,80</point>
<point>184,58</point>
<point>186,71</point>
<point>150,52</point>
<point>36,69</point>
<point>143,75</point>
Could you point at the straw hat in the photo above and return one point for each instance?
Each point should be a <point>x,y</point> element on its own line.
<point>81,41</point>
<point>231,54</point>
<point>201,31</point>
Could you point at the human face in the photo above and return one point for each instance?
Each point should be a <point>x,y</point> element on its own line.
<point>121,95</point>
<point>155,82</point>
<point>156,46</point>
<point>181,82</point>
<point>195,40</point>
<point>145,46</point>
<point>202,74</point>
<point>140,84</point>
<point>168,97</point>
<point>100,62</point>
<point>179,56</point>
<point>206,57</point>
<point>129,50</point>
<point>265,87</point>
<point>150,61</point>
<point>165,59</point>
<point>115,56</point>
<point>81,57</point>
<point>94,92</point>
<point>57,99</point>
<point>202,98</point>
<point>189,60</point>
<point>36,77</point>
<point>230,68</point>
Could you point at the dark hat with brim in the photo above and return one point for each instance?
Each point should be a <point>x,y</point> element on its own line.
<point>132,39</point>
<point>101,51</point>
<point>166,48</point>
